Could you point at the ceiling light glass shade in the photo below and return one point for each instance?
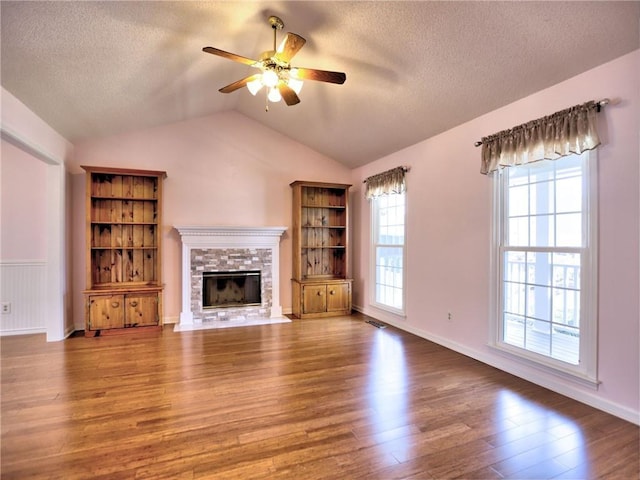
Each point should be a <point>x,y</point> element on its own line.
<point>295,84</point>
<point>254,86</point>
<point>274,95</point>
<point>270,78</point>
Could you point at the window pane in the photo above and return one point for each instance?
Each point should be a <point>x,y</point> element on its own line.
<point>538,303</point>
<point>514,330</point>
<point>541,171</point>
<point>569,230</point>
<point>539,268</point>
<point>382,235</point>
<point>569,195</point>
<point>396,235</point>
<point>515,266</point>
<point>569,166</point>
<point>565,344</point>
<point>514,283</point>
<point>566,307</point>
<point>514,298</point>
<point>542,231</point>
<point>518,233</point>
<point>542,198</point>
<point>566,270</point>
<point>538,337</point>
<point>517,176</point>
<point>519,201</point>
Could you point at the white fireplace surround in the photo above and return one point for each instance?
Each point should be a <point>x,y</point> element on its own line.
<point>210,237</point>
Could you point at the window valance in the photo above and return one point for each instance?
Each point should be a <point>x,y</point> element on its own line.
<point>563,133</point>
<point>385,183</point>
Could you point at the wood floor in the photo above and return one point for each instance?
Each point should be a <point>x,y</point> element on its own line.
<point>312,399</point>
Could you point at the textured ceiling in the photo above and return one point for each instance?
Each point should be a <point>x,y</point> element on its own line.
<point>414,69</point>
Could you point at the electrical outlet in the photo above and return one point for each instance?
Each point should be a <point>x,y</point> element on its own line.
<point>449,316</point>
<point>6,307</point>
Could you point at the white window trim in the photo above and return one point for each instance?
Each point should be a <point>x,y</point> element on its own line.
<point>372,262</point>
<point>586,372</point>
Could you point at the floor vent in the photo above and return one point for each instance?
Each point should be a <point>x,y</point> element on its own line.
<point>376,324</point>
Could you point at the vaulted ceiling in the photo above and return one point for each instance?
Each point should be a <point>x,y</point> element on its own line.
<point>414,69</point>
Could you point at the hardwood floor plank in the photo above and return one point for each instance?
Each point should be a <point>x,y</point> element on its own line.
<point>310,399</point>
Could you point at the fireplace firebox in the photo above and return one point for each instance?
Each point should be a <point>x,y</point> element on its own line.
<point>231,289</point>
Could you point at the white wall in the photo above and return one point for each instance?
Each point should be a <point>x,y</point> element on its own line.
<point>23,240</point>
<point>22,129</point>
<point>448,234</point>
<point>24,213</point>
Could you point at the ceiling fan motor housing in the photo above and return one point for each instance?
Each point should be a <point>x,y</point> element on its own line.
<point>276,23</point>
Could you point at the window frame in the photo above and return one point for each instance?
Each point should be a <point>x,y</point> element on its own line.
<point>585,371</point>
<point>375,207</point>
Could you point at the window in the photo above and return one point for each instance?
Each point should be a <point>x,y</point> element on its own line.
<point>388,251</point>
<point>545,263</point>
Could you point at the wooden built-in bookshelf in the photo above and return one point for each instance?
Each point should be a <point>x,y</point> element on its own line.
<point>320,283</point>
<point>124,287</point>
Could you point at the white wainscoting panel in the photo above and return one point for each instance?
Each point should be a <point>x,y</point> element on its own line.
<point>23,286</point>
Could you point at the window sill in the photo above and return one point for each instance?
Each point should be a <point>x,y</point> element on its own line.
<point>394,311</point>
<point>545,365</point>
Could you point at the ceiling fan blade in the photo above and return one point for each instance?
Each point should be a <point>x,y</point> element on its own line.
<point>230,56</point>
<point>320,75</point>
<point>232,87</point>
<point>290,97</point>
<point>289,47</point>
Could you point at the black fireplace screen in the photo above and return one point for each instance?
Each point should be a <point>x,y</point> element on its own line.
<point>230,289</point>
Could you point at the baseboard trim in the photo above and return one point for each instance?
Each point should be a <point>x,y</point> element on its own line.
<point>22,331</point>
<point>171,320</point>
<point>587,398</point>
<point>69,332</point>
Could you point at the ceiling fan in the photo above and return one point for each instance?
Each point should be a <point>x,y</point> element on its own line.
<point>281,80</point>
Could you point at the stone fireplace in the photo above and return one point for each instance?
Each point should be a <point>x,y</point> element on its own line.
<point>228,255</point>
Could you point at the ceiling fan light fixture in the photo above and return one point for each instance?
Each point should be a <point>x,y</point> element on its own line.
<point>254,86</point>
<point>270,78</point>
<point>295,84</point>
<point>274,95</point>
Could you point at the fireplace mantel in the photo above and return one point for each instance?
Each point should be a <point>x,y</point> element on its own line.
<point>214,233</point>
<point>227,237</point>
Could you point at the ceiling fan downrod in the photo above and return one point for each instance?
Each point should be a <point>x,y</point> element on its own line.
<point>276,24</point>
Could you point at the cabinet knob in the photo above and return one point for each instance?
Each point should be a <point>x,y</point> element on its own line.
<point>332,292</point>
<point>134,304</point>
<point>319,293</point>
<point>115,304</point>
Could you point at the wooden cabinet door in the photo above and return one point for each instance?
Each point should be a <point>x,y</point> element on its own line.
<point>141,309</point>
<point>337,296</point>
<point>314,298</point>
<point>106,311</point>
